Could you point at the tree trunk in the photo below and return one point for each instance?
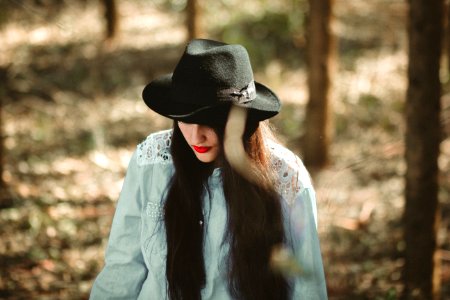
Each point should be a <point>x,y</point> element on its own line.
<point>5,196</point>
<point>423,136</point>
<point>111,19</point>
<point>447,37</point>
<point>2,183</point>
<point>193,19</point>
<point>320,61</point>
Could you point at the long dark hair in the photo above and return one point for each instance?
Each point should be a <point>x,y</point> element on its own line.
<point>255,223</point>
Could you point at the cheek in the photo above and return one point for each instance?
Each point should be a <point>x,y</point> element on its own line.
<point>183,132</point>
<point>213,138</point>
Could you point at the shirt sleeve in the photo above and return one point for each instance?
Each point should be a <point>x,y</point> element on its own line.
<point>310,283</point>
<point>124,270</point>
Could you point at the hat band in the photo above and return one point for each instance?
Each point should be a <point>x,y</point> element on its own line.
<point>238,96</point>
<point>207,96</point>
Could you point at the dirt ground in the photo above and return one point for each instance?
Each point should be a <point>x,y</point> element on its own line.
<point>72,116</point>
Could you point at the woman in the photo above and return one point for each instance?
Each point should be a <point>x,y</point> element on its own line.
<point>188,224</point>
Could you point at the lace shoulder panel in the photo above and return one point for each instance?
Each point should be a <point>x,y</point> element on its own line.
<point>292,175</point>
<point>155,149</point>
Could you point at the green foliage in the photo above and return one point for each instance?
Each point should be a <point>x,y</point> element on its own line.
<point>391,295</point>
<point>273,35</point>
<point>29,12</point>
<point>4,13</point>
<point>289,120</point>
<point>370,102</point>
<point>369,112</point>
<point>171,5</point>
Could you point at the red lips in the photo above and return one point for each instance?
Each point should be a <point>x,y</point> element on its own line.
<point>201,149</point>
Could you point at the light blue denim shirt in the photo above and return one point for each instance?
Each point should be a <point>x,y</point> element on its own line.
<point>135,258</point>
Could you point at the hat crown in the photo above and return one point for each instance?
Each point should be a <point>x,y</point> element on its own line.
<point>210,77</point>
<point>213,64</point>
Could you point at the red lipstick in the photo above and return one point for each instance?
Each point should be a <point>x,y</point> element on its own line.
<point>201,149</point>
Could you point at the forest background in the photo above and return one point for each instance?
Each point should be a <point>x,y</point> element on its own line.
<point>72,115</point>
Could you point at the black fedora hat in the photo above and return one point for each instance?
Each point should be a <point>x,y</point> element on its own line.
<point>209,77</point>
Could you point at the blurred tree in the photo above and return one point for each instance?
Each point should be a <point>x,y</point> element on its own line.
<point>447,37</point>
<point>320,44</point>
<point>193,15</point>
<point>423,136</point>
<point>111,19</point>
<point>5,197</point>
<point>2,183</point>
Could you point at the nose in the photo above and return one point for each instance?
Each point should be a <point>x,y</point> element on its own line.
<point>197,134</point>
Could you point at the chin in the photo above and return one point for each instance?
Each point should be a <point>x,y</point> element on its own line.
<point>205,159</point>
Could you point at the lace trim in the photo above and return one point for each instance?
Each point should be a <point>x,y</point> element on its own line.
<point>155,149</point>
<point>292,174</point>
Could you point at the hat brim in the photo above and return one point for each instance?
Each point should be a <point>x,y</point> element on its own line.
<point>158,97</point>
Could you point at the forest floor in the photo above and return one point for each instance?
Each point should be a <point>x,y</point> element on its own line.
<point>72,116</point>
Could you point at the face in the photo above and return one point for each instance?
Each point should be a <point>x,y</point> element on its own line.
<point>202,139</point>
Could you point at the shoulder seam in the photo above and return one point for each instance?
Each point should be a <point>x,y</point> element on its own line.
<point>292,176</point>
<point>155,149</point>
